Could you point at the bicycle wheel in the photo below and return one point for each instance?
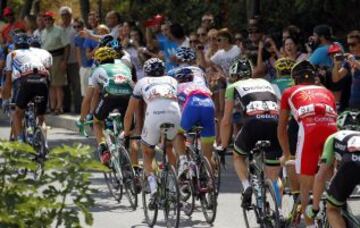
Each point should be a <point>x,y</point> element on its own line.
<point>208,195</point>
<point>39,146</point>
<point>217,171</point>
<point>128,174</point>
<point>250,215</point>
<point>150,213</point>
<point>271,210</point>
<point>187,195</point>
<point>171,197</point>
<point>113,182</point>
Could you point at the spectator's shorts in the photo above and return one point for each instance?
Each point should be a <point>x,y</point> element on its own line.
<point>159,112</point>
<point>199,110</point>
<point>343,183</point>
<point>29,87</point>
<point>313,132</point>
<point>255,129</point>
<point>110,102</point>
<point>85,73</point>
<point>57,75</point>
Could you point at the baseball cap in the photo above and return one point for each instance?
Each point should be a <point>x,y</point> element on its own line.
<point>49,14</point>
<point>7,11</point>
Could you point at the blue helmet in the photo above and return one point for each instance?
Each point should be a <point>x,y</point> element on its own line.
<point>21,40</point>
<point>154,67</point>
<point>35,41</point>
<point>184,74</point>
<point>185,54</point>
<point>110,41</point>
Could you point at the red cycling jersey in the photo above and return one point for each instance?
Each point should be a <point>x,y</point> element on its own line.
<point>314,109</point>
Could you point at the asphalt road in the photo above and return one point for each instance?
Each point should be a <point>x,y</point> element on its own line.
<point>109,213</point>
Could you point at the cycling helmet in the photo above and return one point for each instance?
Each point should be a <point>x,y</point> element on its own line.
<point>154,67</point>
<point>240,68</point>
<point>104,55</point>
<point>109,41</point>
<point>185,54</point>
<point>35,41</point>
<point>184,75</point>
<point>303,70</point>
<point>349,120</point>
<point>283,66</point>
<point>21,40</point>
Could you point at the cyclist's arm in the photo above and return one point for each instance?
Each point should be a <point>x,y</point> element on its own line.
<point>6,93</point>
<point>282,132</point>
<point>326,165</point>
<point>225,130</point>
<point>128,119</point>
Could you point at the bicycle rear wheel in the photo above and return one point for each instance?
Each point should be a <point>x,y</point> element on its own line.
<point>217,171</point>
<point>171,197</point>
<point>271,210</point>
<point>250,216</point>
<point>208,195</point>
<point>39,146</point>
<point>128,174</point>
<point>150,213</point>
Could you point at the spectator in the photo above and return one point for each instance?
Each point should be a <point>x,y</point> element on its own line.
<point>124,34</point>
<point>72,98</point>
<point>202,37</point>
<point>350,65</point>
<point>91,44</point>
<point>168,47</point>
<point>113,21</point>
<point>322,39</point>
<point>57,43</point>
<point>84,62</point>
<point>30,24</point>
<point>193,40</point>
<point>40,25</point>
<point>290,31</point>
<point>11,25</point>
<point>177,35</point>
<point>207,21</point>
<point>93,21</point>
<point>238,39</point>
<point>268,53</point>
<point>292,49</point>
<point>136,49</point>
<point>252,47</point>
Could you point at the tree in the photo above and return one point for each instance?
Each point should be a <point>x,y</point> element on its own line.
<point>85,8</point>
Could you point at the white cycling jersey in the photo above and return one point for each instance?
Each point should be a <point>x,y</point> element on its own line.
<point>22,62</point>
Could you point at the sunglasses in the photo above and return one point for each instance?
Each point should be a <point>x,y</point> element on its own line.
<point>201,34</point>
<point>219,40</point>
<point>48,19</point>
<point>352,44</point>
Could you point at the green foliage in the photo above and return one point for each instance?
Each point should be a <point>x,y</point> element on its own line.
<point>56,198</point>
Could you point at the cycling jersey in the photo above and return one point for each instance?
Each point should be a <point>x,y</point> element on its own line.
<point>159,93</point>
<point>198,73</point>
<point>114,79</point>
<point>280,84</point>
<point>258,104</point>
<point>25,62</point>
<point>313,107</point>
<point>344,146</point>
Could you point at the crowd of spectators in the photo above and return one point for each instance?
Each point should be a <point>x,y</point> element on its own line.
<point>72,41</point>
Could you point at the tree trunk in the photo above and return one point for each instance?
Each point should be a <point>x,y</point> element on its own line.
<point>36,7</point>
<point>99,4</point>
<point>26,9</point>
<point>84,8</point>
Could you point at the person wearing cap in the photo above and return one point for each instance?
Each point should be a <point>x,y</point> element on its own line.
<point>72,92</point>
<point>349,65</point>
<point>11,25</point>
<point>322,39</point>
<point>57,43</point>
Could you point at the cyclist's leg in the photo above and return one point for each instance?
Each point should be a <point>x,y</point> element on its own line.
<point>101,112</point>
<point>341,187</point>
<point>23,96</point>
<point>42,90</point>
<point>290,169</point>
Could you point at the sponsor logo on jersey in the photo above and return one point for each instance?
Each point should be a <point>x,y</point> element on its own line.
<point>340,146</point>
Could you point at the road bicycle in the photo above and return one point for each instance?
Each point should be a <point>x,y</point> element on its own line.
<point>121,175</point>
<point>167,196</point>
<point>198,181</point>
<point>263,208</point>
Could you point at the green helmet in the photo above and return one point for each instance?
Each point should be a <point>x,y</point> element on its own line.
<point>240,68</point>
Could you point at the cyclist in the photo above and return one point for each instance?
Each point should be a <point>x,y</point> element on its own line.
<point>159,93</point>
<point>27,71</point>
<point>344,148</point>
<point>197,109</point>
<point>113,84</point>
<point>258,103</point>
<point>313,107</point>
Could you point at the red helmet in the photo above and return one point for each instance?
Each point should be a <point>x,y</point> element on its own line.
<point>335,48</point>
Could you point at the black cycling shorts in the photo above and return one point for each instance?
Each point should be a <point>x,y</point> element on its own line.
<point>343,183</point>
<point>30,87</point>
<point>110,102</point>
<point>255,129</point>
<point>292,130</point>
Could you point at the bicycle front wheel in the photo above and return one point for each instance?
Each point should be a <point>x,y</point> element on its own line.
<point>217,171</point>
<point>208,192</point>
<point>171,198</point>
<point>39,146</point>
<point>150,212</point>
<point>128,174</point>
<point>271,210</point>
<point>250,215</point>
<point>113,182</point>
